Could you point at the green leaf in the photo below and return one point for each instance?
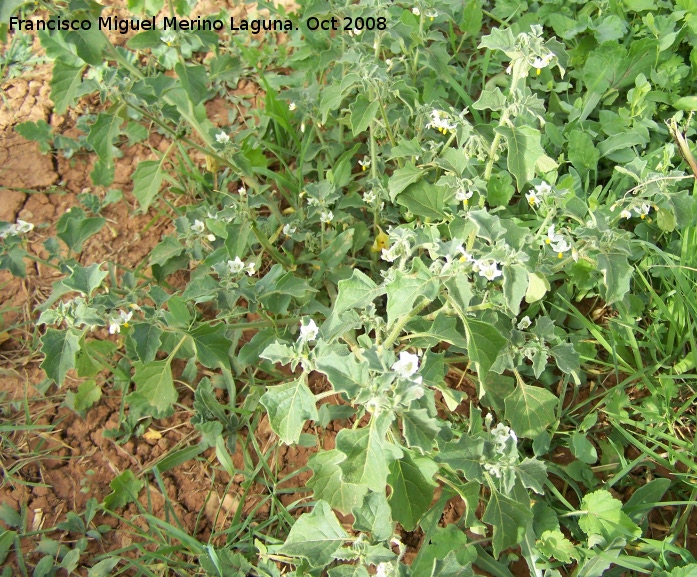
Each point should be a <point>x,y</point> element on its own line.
<point>344,372</point>
<point>212,346</point>
<point>348,571</point>
<point>490,100</point>
<point>147,180</point>
<point>499,189</point>
<point>538,285</point>
<point>85,279</point>
<point>363,112</point>
<point>59,349</point>
<point>89,44</point>
<point>426,200</point>
<point>582,154</point>
<point>403,177</point>
<point>488,225</point>
<point>530,410</point>
<point>64,84</point>
<point>39,131</point>
<point>356,292</point>
<point>102,135</point>
<point>686,102</point>
<point>327,483</point>
<point>407,288</point>
<point>147,340</point>
<point>509,519</point>
<point>532,474</point>
<point>484,342</point>
<point>411,479</point>
<point>442,329</point>
<point>125,489</point>
<point>515,285</point>
<point>602,515</point>
<point>168,249</point>
<point>419,429</point>
<point>524,150</point>
<point>368,454</point>
<point>617,272</point>
<point>194,79</point>
<point>73,228</point>
<point>582,448</point>
<point>315,536</point>
<point>646,498</point>
<point>553,544</point>
<point>464,455</point>
<point>154,385</point>
<point>374,516</point>
<point>88,393</point>
<point>289,405</point>
<point>103,568</point>
<point>447,552</point>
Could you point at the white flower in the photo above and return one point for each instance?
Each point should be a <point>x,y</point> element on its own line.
<point>558,242</point>
<point>625,214</point>
<point>543,189</point>
<point>24,226</point>
<point>242,191</point>
<point>222,138</point>
<point>532,198</point>
<point>198,226</point>
<point>524,323</point>
<point>288,229</point>
<point>369,197</point>
<point>495,469</point>
<point>235,266</point>
<point>383,570</point>
<point>326,216</point>
<point>489,270</point>
<point>357,31</point>
<point>114,327</point>
<point>431,14</point>
<point>441,121</point>
<point>463,195</point>
<point>302,127</point>
<point>308,332</point>
<point>407,364</point>
<point>552,236</point>
<point>641,211</point>
<point>292,106</point>
<point>466,257</point>
<point>116,323</point>
<point>509,69</point>
<point>415,11</point>
<point>365,163</point>
<point>250,268</point>
<point>168,38</point>
<point>540,63</point>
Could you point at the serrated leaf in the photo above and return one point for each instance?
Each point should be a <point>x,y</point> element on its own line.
<point>328,485</point>
<point>154,385</point>
<point>426,200</point>
<point>348,571</point>
<point>89,44</point>
<point>125,489</point>
<point>411,479</point>
<point>88,393</point>
<point>447,553</point>
<point>488,225</point>
<point>356,292</point>
<point>406,289</point>
<point>484,342</point>
<point>530,410</point>
<point>524,150</point>
<point>403,177</point>
<point>289,405</point>
<point>532,474</point>
<point>553,544</point>
<point>344,372</point>
<point>147,340</point>
<point>419,429</point>
<point>39,131</point>
<point>602,515</point>
<point>368,454</point>
<point>194,80</point>
<point>212,346</point>
<point>315,536</point>
<point>147,180</point>
<point>85,279</point>
<point>59,349</point>
<point>64,84</point>
<point>373,515</point>
<point>464,455</point>
<point>363,112</point>
<point>509,519</point>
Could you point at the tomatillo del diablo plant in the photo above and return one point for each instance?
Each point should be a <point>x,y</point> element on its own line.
<point>422,198</point>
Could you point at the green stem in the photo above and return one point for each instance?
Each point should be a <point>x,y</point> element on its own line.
<point>268,247</point>
<point>402,321</point>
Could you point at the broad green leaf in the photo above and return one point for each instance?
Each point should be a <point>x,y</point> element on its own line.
<point>407,288</point>
<point>289,405</point>
<point>212,346</point>
<point>686,103</point>
<point>104,568</point>
<point>73,228</point>
<point>356,292</point>
<point>533,474</point>
<point>168,249</point>
<point>602,515</point>
<point>374,516</point>
<point>464,455</point>
<point>515,285</point>
<point>344,372</point>
<point>315,536</point>
<point>553,544</point>
<point>147,179</point>
<point>39,131</point>
<point>646,498</point>
<point>363,112</point>
<point>154,385</point>
<point>582,154</point>
<point>331,100</point>
<point>460,291</point>
<point>500,39</point>
<point>582,448</point>
<point>538,285</point>
<point>617,272</point>
<point>442,329</point>
<point>64,84</point>
<point>484,342</point>
<point>419,429</point>
<point>490,100</point>
<point>59,349</point>
<point>85,279</point>
<point>327,484</point>
<point>530,410</point>
<point>447,552</point>
<point>524,150</point>
<point>509,519</point>
<point>194,79</point>
<point>488,225</point>
<point>499,189</point>
<point>146,337</point>
<point>426,200</point>
<point>449,566</point>
<point>277,352</point>
<point>411,479</point>
<point>125,489</point>
<point>89,44</point>
<point>336,251</point>
<point>403,177</point>
<point>102,135</point>
<point>88,393</point>
<point>368,454</point>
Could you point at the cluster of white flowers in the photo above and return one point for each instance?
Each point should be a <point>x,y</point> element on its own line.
<point>641,211</point>
<point>238,265</point>
<point>308,332</point>
<point>326,216</point>
<point>487,268</point>
<point>200,228</point>
<point>500,436</point>
<point>557,241</point>
<point>535,197</point>
<point>441,121</point>
<point>289,229</point>
<point>21,227</point>
<point>222,137</point>
<point>115,323</point>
